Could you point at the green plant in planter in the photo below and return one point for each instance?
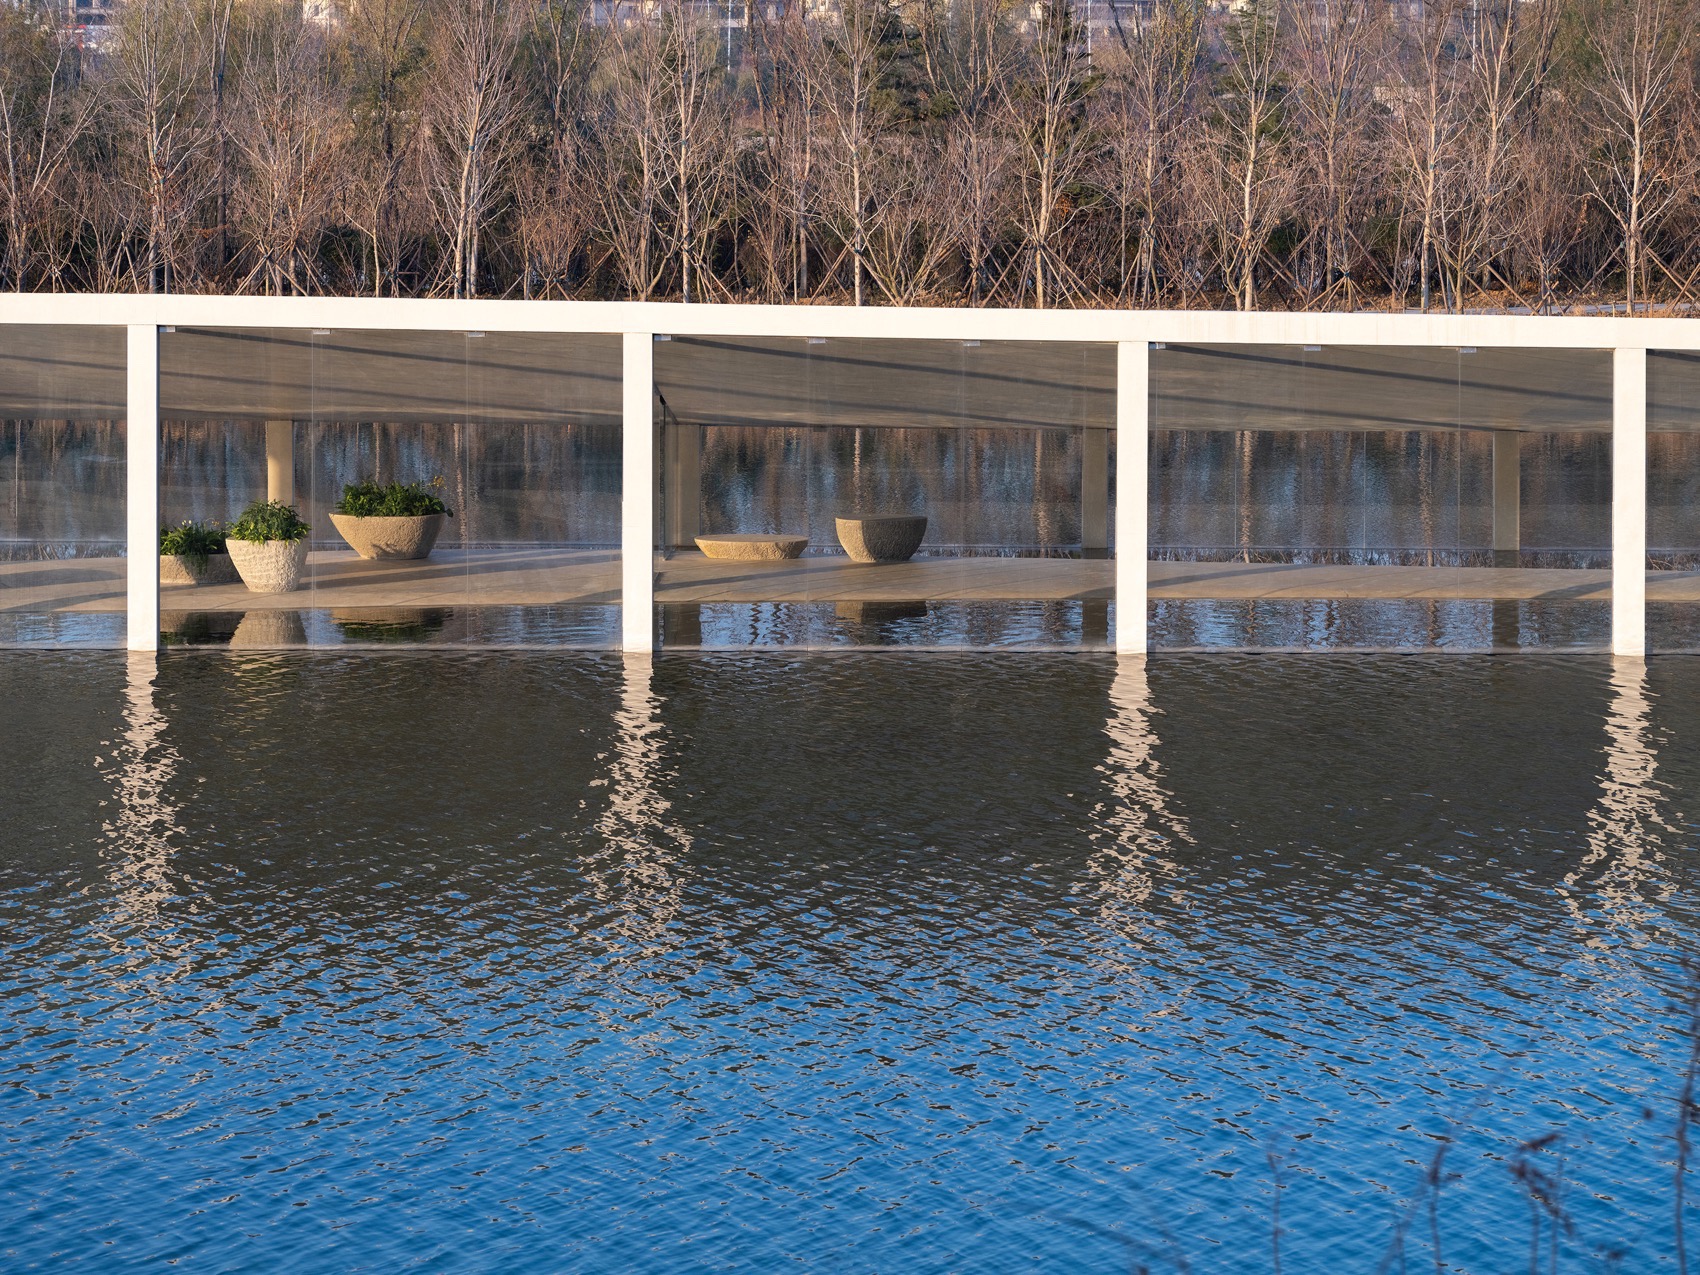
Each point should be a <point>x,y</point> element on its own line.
<point>193,541</point>
<point>268,520</point>
<point>392,500</point>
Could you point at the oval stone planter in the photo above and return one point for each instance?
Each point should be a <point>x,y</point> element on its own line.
<point>752,548</point>
<point>274,566</point>
<point>390,538</point>
<point>887,538</point>
<point>216,568</point>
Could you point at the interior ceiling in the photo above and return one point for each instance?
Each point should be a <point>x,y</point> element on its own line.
<point>78,373</point>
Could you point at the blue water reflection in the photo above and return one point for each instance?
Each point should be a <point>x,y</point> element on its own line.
<point>860,962</point>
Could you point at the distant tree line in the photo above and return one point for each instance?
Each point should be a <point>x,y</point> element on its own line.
<point>1289,154</point>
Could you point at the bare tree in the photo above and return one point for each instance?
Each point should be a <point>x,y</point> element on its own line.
<point>156,72</point>
<point>1153,93</point>
<point>1244,182</point>
<point>783,175</point>
<point>1547,215</point>
<point>1428,121</point>
<point>553,216</point>
<point>634,154</point>
<point>1337,51</point>
<point>849,59</point>
<point>1045,106</point>
<point>699,126</point>
<point>386,51</point>
<point>472,105</point>
<point>1641,86</point>
<point>1509,58</point>
<point>42,118</point>
<point>290,127</point>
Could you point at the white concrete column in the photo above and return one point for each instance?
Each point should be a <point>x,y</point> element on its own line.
<point>141,462</point>
<point>1507,490</point>
<point>1095,489</point>
<point>1133,425</point>
<point>1629,503</point>
<point>280,461</point>
<point>637,485</point>
<point>684,483</point>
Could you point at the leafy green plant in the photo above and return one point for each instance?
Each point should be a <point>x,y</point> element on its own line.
<point>268,520</point>
<point>196,541</point>
<point>393,500</point>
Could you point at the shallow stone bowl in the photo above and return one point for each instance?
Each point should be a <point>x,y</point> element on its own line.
<point>752,548</point>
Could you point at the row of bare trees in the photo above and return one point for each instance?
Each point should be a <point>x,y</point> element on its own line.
<point>1269,153</point>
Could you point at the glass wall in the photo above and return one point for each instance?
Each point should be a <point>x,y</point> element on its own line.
<point>517,436</point>
<point>62,464</point>
<point>1369,498</point>
<point>1673,501</point>
<point>1000,453</point>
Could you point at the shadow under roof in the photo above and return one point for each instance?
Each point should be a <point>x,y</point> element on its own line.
<point>396,376</point>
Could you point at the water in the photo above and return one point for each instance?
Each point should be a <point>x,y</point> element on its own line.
<point>846,962</point>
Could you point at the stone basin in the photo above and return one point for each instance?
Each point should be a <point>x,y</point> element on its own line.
<point>752,548</point>
<point>882,537</point>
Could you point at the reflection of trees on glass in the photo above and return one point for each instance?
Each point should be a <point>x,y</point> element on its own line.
<point>64,489</point>
<point>509,484</point>
<point>993,490</point>
<point>1417,497</point>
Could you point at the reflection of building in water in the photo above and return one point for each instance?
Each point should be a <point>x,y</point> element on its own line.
<point>1623,865</point>
<point>636,872</point>
<point>1134,829</point>
<point>139,836</point>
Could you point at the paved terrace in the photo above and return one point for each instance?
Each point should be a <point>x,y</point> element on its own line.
<point>524,577</point>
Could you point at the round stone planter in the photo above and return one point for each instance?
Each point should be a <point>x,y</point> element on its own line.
<point>390,538</point>
<point>888,538</point>
<point>215,568</point>
<point>272,566</point>
<point>752,548</point>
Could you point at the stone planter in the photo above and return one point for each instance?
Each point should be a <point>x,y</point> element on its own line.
<point>273,566</point>
<point>891,538</point>
<point>265,630</point>
<point>752,548</point>
<point>390,538</point>
<point>177,568</point>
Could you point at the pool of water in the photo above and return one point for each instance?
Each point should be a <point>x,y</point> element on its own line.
<point>868,961</point>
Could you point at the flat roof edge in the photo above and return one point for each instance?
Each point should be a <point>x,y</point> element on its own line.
<point>1214,327</point>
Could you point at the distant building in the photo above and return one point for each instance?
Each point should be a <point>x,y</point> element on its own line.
<point>88,19</point>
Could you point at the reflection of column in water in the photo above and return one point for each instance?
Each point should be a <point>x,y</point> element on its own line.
<point>140,833</point>
<point>635,873</point>
<point>1134,829</point>
<point>1626,823</point>
<point>1506,624</point>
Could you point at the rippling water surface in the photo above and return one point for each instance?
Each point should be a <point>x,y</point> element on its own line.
<point>867,962</point>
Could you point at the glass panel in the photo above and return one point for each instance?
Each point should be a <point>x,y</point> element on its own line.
<point>818,445</point>
<point>1673,501</point>
<point>62,463</point>
<point>518,435</point>
<point>1366,497</point>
